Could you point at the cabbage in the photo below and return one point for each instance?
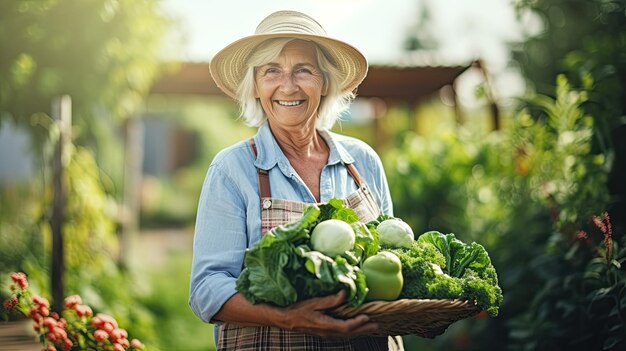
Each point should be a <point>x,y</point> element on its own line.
<point>332,237</point>
<point>395,233</point>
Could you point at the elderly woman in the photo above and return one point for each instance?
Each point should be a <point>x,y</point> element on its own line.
<point>293,82</point>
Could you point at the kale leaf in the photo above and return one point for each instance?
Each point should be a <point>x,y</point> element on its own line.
<point>440,266</point>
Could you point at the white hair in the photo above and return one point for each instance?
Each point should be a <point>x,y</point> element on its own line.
<point>331,106</point>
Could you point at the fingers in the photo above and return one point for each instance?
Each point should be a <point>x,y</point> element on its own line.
<point>331,301</point>
<point>309,316</point>
<point>321,303</point>
<point>340,328</point>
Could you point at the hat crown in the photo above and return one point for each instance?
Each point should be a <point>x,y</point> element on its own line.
<point>289,22</point>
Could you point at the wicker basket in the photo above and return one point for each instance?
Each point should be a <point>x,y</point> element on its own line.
<point>425,318</point>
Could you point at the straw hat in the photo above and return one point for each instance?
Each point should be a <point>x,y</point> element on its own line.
<point>228,65</point>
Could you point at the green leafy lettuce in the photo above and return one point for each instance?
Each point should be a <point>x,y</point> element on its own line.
<point>282,269</point>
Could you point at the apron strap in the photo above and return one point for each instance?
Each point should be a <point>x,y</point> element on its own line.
<point>355,174</point>
<point>264,177</point>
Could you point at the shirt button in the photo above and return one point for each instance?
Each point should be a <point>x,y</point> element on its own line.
<point>267,204</point>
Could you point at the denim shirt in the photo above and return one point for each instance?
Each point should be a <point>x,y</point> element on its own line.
<point>229,212</point>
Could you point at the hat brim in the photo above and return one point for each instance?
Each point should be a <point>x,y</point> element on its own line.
<point>228,66</point>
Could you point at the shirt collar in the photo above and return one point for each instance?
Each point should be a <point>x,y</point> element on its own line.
<point>338,153</point>
<point>269,153</point>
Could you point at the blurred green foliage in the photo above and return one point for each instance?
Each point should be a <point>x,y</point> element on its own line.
<point>91,245</point>
<point>105,54</point>
<point>180,327</point>
<point>533,193</point>
<point>523,193</point>
<point>585,41</point>
<point>581,301</point>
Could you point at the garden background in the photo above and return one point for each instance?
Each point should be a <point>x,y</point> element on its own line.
<point>534,191</point>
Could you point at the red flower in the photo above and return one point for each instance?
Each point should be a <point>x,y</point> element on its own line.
<point>100,319</point>
<point>100,335</point>
<point>83,310</point>
<point>604,224</point>
<point>72,301</point>
<point>67,344</point>
<point>49,322</point>
<point>10,303</point>
<point>58,333</point>
<point>119,334</point>
<point>123,342</point>
<point>136,344</point>
<point>41,301</point>
<point>20,279</point>
<point>581,234</point>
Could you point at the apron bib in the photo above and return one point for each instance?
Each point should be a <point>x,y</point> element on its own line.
<point>275,212</point>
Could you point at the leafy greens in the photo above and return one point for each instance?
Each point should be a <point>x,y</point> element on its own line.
<point>282,269</point>
<point>440,266</point>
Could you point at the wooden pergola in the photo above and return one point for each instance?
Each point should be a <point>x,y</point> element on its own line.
<point>393,84</point>
<point>400,83</point>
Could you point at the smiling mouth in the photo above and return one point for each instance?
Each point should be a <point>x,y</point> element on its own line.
<point>290,103</point>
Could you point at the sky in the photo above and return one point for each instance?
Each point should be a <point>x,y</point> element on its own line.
<point>465,30</point>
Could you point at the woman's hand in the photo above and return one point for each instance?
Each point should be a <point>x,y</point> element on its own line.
<point>309,317</point>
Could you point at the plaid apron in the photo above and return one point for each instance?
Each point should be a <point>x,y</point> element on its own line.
<point>275,212</point>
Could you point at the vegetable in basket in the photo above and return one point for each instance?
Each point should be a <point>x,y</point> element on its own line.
<point>440,266</point>
<point>394,232</point>
<point>282,268</point>
<point>383,274</point>
<point>332,237</point>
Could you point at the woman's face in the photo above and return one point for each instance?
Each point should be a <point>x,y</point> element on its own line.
<point>290,88</point>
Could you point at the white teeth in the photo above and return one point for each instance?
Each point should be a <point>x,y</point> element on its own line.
<point>289,103</point>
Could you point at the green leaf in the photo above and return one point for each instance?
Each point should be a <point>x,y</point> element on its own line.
<point>616,264</point>
<point>328,276</point>
<point>440,241</point>
<point>336,209</point>
<point>468,256</point>
<point>610,342</point>
<point>374,223</point>
<point>366,242</point>
<point>264,278</point>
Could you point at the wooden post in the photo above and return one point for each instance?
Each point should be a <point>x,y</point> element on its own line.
<point>133,167</point>
<point>62,115</point>
<point>491,98</point>
<point>458,113</point>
